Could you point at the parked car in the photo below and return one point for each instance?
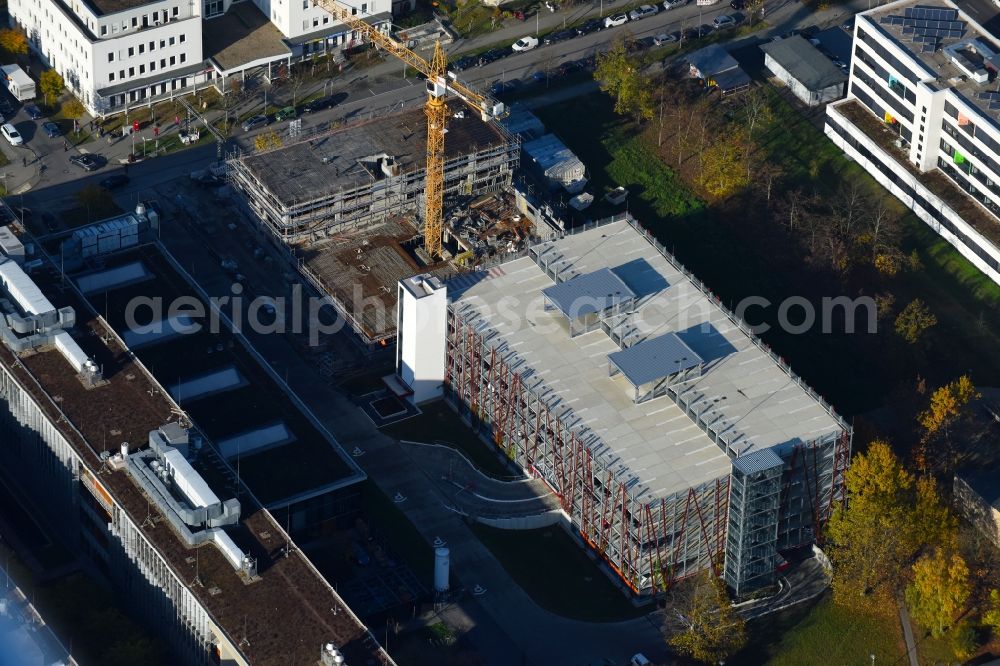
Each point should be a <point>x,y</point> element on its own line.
<point>114,181</point>
<point>494,54</point>
<point>724,21</point>
<point>525,44</point>
<point>6,108</point>
<point>616,20</point>
<point>569,67</point>
<point>642,11</point>
<point>324,103</point>
<point>560,36</point>
<point>811,31</point>
<point>664,38</point>
<point>501,87</point>
<point>593,25</point>
<point>86,161</point>
<point>540,76</point>
<point>670,4</point>
<point>33,111</point>
<point>464,62</point>
<point>255,122</point>
<point>11,134</point>
<point>52,130</point>
<point>704,30</point>
<point>286,113</point>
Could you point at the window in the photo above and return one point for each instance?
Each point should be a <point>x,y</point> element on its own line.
<point>163,63</point>
<point>364,7</point>
<point>326,19</point>
<point>104,30</point>
<point>135,21</point>
<point>175,12</point>
<point>152,65</point>
<point>163,43</point>
<point>152,46</point>
<point>305,24</point>
<point>183,38</point>
<point>111,57</point>
<point>142,48</point>
<point>305,4</point>
<point>131,52</point>
<point>121,74</point>
<point>184,57</point>
<point>171,41</point>
<point>354,11</point>
<point>111,76</point>
<point>315,22</point>
<point>131,71</point>
<point>173,60</point>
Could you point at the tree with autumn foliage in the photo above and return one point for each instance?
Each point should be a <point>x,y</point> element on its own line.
<point>914,320</point>
<point>700,621</point>
<point>619,75</point>
<point>866,550</point>
<point>13,42</point>
<point>948,419</point>
<point>889,518</point>
<point>991,617</point>
<point>939,592</point>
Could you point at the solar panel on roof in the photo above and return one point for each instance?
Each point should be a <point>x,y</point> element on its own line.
<point>907,31</point>
<point>994,106</point>
<point>928,48</point>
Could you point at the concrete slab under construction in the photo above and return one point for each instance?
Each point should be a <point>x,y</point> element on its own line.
<point>369,171</point>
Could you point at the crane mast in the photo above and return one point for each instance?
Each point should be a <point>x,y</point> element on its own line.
<point>436,110</point>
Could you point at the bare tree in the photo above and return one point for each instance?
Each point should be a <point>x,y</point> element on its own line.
<point>882,225</point>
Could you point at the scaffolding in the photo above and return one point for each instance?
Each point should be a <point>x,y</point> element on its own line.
<point>734,519</point>
<point>365,173</point>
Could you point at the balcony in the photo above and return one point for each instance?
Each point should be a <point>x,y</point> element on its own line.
<point>958,199</point>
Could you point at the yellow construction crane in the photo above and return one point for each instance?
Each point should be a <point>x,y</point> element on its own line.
<point>439,83</point>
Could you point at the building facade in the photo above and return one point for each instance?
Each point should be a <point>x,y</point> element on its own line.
<point>928,73</point>
<point>117,53</point>
<point>652,436</point>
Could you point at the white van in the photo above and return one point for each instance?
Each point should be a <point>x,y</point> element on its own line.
<point>9,133</point>
<point>525,43</point>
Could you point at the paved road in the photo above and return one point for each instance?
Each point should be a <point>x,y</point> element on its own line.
<point>375,89</point>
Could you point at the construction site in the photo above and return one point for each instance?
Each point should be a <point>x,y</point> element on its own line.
<point>347,205</point>
<point>675,440</point>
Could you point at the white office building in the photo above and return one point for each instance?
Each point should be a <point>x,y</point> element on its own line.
<point>922,115</point>
<point>117,53</point>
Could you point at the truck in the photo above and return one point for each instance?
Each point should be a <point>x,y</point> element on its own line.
<point>20,85</point>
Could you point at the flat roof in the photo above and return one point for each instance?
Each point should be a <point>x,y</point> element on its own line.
<point>655,358</point>
<point>590,293</point>
<point>805,63</point>
<point>241,36</point>
<point>285,615</point>
<point>349,158</point>
<point>748,398</point>
<point>307,462</point>
<point>893,21</point>
<point>104,7</point>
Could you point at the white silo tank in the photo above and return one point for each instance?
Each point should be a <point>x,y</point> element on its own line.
<point>441,563</point>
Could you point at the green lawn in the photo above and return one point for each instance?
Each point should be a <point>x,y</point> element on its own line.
<point>824,635</point>
<point>619,157</point>
<point>557,574</point>
<point>440,424</point>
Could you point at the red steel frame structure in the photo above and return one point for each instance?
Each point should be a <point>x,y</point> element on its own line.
<point>649,542</point>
